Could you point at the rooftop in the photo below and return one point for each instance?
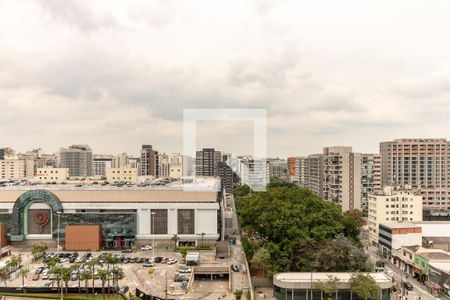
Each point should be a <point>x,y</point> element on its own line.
<point>400,225</point>
<point>342,276</point>
<point>189,184</point>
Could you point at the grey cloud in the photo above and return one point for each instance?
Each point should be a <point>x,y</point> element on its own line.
<point>77,13</point>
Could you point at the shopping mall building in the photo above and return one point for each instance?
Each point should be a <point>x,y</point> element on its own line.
<point>188,213</point>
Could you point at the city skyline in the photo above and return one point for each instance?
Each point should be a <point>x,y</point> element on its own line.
<point>116,75</point>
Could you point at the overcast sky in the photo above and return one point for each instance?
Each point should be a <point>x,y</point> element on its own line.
<point>118,74</point>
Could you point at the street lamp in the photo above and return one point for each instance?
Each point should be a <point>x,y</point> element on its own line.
<point>153,233</point>
<point>58,234</point>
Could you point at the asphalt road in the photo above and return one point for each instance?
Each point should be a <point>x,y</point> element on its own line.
<point>419,290</point>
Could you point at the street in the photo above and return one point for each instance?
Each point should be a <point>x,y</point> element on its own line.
<point>419,290</point>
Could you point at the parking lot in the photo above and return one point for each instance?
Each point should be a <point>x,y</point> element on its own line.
<point>168,271</point>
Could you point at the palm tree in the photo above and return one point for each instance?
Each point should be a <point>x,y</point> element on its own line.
<point>92,264</point>
<point>175,240</point>
<point>65,274</point>
<point>77,267</point>
<point>57,271</point>
<point>103,274</point>
<point>23,272</point>
<point>116,273</point>
<point>111,260</point>
<point>85,276</point>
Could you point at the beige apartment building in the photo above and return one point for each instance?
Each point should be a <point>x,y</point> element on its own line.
<point>52,175</point>
<point>392,205</point>
<point>421,164</point>
<point>13,168</point>
<point>342,177</point>
<point>163,165</point>
<point>126,174</point>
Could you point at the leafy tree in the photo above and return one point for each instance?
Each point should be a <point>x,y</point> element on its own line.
<point>261,259</point>
<point>23,272</point>
<point>4,274</point>
<point>184,250</point>
<point>295,226</point>
<point>276,182</point>
<point>38,250</point>
<point>364,286</point>
<point>238,294</point>
<point>242,191</point>
<point>357,216</point>
<point>340,255</point>
<point>328,287</point>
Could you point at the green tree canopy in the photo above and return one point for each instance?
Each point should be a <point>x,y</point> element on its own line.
<point>328,287</point>
<point>298,228</point>
<point>364,286</point>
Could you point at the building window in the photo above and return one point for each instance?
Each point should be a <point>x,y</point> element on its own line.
<point>158,218</point>
<point>186,221</point>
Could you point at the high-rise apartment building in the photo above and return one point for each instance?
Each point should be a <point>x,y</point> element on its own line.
<point>119,161</point>
<point>78,159</point>
<point>421,164</point>
<point>278,168</point>
<point>316,174</point>
<point>298,170</point>
<point>163,165</point>
<point>207,162</point>
<point>101,163</point>
<point>149,161</point>
<point>370,176</point>
<point>342,177</point>
<point>226,176</point>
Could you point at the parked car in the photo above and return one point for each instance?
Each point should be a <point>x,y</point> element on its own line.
<point>146,247</point>
<point>39,270</point>
<point>35,277</point>
<point>126,251</point>
<point>407,285</point>
<point>158,259</point>
<point>148,264</point>
<point>184,270</point>
<point>181,279</point>
<point>171,261</point>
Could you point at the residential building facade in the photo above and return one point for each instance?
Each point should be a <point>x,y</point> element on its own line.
<point>78,159</point>
<point>393,204</point>
<point>421,164</point>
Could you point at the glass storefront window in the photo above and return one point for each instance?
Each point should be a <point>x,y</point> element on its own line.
<point>300,294</point>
